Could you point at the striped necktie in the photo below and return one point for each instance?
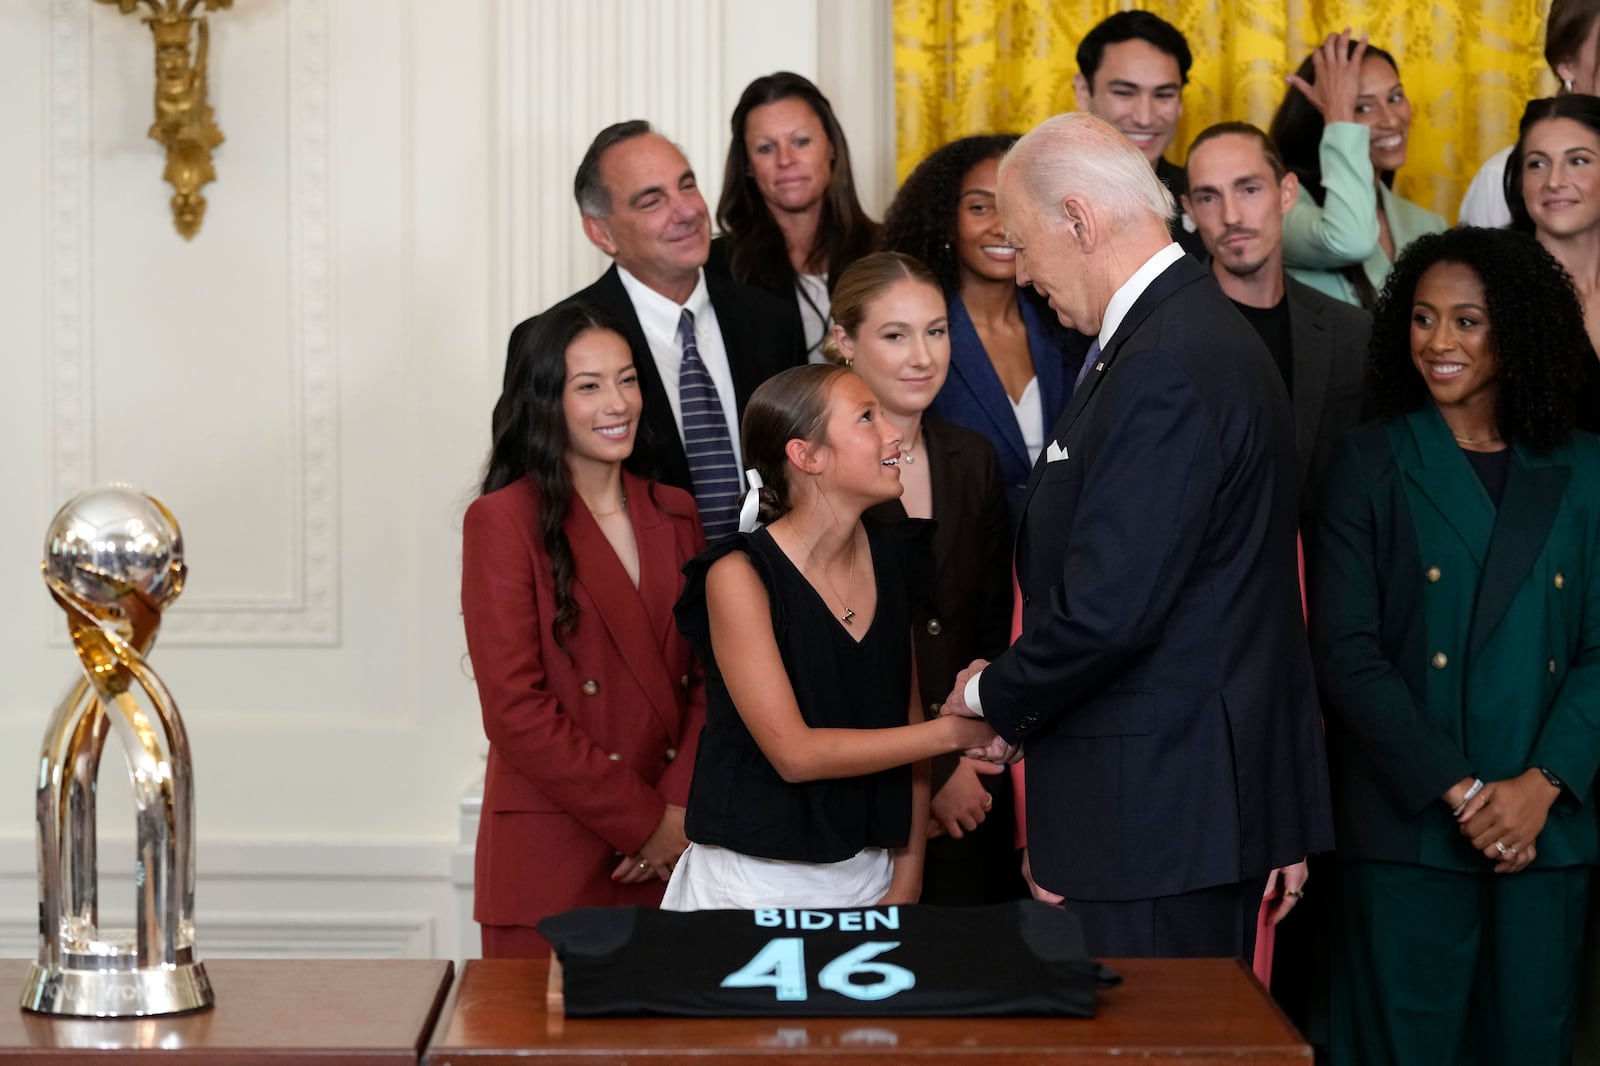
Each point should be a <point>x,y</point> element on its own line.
<point>705,439</point>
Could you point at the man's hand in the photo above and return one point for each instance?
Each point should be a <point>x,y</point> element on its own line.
<point>1000,752</point>
<point>962,803</point>
<point>956,702</point>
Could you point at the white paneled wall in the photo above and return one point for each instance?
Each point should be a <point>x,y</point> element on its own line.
<point>307,384</point>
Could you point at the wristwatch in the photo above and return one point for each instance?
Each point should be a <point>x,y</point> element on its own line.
<point>1552,778</point>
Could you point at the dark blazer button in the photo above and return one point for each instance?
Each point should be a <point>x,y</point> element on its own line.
<point>1025,599</point>
<point>591,687</point>
<point>1440,660</point>
<point>1434,574</point>
<point>934,627</point>
<point>934,709</point>
<point>1561,580</point>
<point>1551,666</point>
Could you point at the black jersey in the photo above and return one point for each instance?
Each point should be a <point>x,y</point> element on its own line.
<point>1017,958</point>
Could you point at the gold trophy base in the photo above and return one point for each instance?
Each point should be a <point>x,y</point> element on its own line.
<point>117,992</point>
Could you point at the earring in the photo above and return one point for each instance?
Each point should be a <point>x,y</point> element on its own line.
<point>849,362</point>
<point>1568,84</point>
<point>947,246</point>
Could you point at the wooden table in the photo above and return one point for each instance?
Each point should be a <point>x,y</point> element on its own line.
<point>1204,1012</point>
<point>329,1012</point>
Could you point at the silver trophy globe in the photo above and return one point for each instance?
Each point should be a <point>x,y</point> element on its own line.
<point>113,562</point>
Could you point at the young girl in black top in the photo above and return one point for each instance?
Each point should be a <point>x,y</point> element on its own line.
<point>811,788</point>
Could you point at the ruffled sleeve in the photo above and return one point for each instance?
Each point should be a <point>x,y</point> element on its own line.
<point>691,613</point>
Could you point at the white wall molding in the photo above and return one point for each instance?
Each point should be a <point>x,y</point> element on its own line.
<point>308,615</point>
<point>259,900</point>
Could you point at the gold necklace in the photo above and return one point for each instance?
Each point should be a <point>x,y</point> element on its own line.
<point>849,616</point>
<point>906,456</point>
<point>623,506</point>
<point>1476,440</point>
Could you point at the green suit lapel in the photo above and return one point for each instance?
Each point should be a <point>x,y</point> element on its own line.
<point>1505,544</point>
<point>1535,486</point>
<point>1427,453</point>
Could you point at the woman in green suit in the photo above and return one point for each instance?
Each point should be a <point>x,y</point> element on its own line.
<point>1456,622</point>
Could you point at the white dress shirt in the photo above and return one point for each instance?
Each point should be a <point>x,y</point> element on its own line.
<point>658,317</point>
<point>1117,309</point>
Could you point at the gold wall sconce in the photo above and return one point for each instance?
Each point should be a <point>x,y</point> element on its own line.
<point>183,124</point>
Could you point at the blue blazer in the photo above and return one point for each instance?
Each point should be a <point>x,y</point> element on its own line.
<point>973,396</point>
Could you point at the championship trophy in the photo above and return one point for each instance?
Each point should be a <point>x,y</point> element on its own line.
<point>114,561</point>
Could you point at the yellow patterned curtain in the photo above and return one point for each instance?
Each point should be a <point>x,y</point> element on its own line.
<point>1469,66</point>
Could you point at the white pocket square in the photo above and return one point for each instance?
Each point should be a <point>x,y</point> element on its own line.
<point>1055,453</point>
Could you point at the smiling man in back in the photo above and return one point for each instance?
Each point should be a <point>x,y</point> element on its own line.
<point>701,343</point>
<point>1132,68</point>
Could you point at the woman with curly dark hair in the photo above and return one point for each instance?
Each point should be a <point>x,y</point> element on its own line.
<point>592,705</point>
<point>789,215</point>
<point>1011,363</point>
<point>1552,188</point>
<point>1455,615</point>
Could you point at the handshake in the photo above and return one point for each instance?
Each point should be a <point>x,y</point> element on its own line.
<point>983,743</point>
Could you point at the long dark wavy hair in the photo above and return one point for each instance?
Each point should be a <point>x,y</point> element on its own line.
<point>1584,110</point>
<point>1297,131</point>
<point>757,254</point>
<point>921,220</point>
<point>791,405</point>
<point>530,437</point>
<point>1535,327</point>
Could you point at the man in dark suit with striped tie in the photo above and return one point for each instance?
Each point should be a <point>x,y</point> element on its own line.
<point>701,343</point>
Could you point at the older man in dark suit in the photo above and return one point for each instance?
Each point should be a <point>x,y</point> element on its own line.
<point>1161,682</point>
<point>701,343</point>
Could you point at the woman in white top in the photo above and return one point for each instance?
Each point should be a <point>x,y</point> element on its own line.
<point>1573,52</point>
<point>789,215</point>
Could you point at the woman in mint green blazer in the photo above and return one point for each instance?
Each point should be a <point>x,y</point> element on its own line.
<point>1455,612</point>
<point>1344,127</point>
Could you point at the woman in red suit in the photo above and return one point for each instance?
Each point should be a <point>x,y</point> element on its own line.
<point>570,568</point>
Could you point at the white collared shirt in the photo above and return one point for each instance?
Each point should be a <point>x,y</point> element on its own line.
<point>1123,299</point>
<point>1117,309</point>
<point>658,317</point>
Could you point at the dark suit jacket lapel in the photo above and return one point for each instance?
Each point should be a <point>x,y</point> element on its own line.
<point>665,447</point>
<point>1183,272</point>
<point>621,608</point>
<point>1535,487</point>
<point>970,364</point>
<point>1312,355</point>
<point>740,337</point>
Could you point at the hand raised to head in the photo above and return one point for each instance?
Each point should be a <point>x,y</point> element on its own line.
<point>1337,70</point>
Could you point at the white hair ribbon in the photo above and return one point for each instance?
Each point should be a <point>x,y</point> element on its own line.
<point>751,507</point>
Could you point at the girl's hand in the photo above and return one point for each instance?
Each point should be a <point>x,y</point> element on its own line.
<point>962,803</point>
<point>1336,69</point>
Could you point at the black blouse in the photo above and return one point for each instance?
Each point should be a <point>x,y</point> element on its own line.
<point>737,799</point>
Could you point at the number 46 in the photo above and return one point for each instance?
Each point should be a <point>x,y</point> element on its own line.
<point>781,966</point>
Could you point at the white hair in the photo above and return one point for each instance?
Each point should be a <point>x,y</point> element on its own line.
<point>1079,155</point>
